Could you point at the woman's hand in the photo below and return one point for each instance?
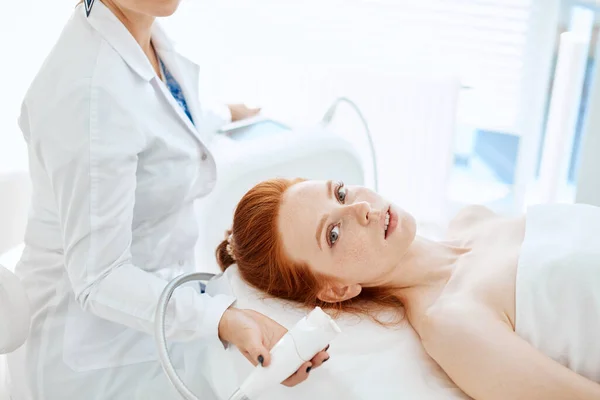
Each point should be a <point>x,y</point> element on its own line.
<point>241,111</point>
<point>255,334</point>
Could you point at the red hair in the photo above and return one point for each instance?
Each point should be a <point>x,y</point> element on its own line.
<point>258,252</point>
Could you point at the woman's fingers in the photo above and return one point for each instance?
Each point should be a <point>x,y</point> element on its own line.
<point>319,359</point>
<point>256,353</point>
<point>299,376</point>
<point>257,334</point>
<point>241,111</point>
<point>259,354</point>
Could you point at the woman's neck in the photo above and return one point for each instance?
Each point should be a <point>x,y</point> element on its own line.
<point>425,268</point>
<point>139,26</point>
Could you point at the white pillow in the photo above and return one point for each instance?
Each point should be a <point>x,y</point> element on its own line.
<point>368,361</point>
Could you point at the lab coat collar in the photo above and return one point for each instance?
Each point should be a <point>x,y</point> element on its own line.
<point>117,35</point>
<point>185,71</point>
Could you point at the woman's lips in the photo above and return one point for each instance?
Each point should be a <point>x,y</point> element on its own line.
<point>393,222</point>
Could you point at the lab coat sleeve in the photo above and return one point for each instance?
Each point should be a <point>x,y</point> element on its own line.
<point>89,148</point>
<point>214,117</point>
<point>219,114</point>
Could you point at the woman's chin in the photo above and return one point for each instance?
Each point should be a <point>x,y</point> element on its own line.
<point>165,12</point>
<point>405,232</point>
<point>165,9</point>
<point>410,227</point>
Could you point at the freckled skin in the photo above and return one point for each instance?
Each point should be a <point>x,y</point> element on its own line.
<point>361,254</point>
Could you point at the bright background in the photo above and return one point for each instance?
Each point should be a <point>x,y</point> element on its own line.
<point>293,57</point>
<point>457,92</point>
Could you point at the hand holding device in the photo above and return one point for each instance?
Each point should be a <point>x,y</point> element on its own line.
<point>254,334</point>
<point>305,340</point>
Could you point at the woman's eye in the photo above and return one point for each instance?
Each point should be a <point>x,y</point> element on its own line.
<point>341,193</point>
<point>334,235</point>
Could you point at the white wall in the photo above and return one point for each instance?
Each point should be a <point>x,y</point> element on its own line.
<point>240,43</point>
<point>280,54</point>
<point>28,30</point>
<point>482,41</point>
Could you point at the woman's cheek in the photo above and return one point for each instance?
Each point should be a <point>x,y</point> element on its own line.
<point>355,251</point>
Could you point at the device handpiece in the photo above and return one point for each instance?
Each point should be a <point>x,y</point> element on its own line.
<point>300,344</point>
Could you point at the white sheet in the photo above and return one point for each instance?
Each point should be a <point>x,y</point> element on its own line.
<point>558,282</point>
<point>368,361</point>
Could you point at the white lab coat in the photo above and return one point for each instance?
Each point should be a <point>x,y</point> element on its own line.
<point>115,165</point>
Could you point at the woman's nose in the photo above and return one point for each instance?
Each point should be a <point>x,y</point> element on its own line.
<point>363,212</point>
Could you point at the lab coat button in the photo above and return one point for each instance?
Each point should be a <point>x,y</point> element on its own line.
<point>204,156</point>
<point>181,262</point>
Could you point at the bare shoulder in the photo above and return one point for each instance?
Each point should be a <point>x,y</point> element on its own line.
<point>447,322</point>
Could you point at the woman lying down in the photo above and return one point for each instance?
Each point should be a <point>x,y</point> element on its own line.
<point>508,307</point>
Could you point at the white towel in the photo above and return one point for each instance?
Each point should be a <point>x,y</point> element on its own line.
<point>558,285</point>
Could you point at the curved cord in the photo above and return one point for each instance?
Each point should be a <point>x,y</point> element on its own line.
<point>159,330</point>
<point>326,120</point>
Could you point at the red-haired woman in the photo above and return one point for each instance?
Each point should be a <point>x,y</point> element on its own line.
<point>509,307</point>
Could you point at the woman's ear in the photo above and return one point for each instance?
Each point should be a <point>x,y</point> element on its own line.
<point>332,293</point>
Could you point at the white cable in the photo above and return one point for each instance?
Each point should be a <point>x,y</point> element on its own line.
<point>159,331</point>
<point>328,117</point>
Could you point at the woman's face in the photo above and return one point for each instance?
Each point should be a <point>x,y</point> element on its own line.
<point>340,231</point>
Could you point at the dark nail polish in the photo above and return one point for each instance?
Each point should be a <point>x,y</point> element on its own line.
<point>261,359</point>
<point>327,348</point>
<point>308,369</point>
<point>326,359</point>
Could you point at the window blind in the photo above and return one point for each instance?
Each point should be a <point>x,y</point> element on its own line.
<point>484,41</point>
